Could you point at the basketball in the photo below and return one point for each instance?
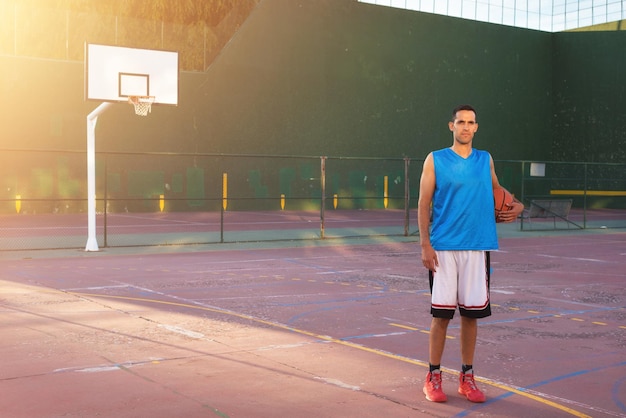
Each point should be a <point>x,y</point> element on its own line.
<point>501,198</point>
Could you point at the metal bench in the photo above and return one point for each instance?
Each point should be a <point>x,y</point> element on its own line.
<point>548,208</point>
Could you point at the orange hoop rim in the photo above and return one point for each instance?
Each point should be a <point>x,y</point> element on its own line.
<point>140,99</point>
<point>143,104</point>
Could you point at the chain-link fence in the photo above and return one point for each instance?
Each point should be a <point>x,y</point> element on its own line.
<point>597,191</point>
<point>172,199</point>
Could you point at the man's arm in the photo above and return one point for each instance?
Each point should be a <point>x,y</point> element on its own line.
<point>517,207</point>
<point>427,189</point>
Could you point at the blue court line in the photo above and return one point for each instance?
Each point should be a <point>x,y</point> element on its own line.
<point>552,380</point>
<point>616,392</point>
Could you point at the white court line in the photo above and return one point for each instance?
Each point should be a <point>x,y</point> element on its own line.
<point>573,258</point>
<point>397,276</point>
<point>73,289</point>
<point>183,331</point>
<point>504,292</point>
<point>338,383</point>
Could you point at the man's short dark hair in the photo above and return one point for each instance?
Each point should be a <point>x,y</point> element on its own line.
<point>463,107</point>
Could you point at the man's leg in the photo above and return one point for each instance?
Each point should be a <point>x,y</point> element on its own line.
<point>474,303</point>
<point>436,343</point>
<point>467,386</point>
<point>469,332</point>
<point>437,339</point>
<point>443,304</point>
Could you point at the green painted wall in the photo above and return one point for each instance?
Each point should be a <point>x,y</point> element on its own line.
<point>340,78</point>
<point>333,77</point>
<point>590,96</point>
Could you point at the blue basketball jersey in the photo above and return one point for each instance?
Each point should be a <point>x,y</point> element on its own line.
<point>463,210</point>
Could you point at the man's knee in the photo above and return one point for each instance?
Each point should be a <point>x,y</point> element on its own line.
<point>441,323</point>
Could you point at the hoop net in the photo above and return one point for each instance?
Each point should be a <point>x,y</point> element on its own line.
<point>143,104</point>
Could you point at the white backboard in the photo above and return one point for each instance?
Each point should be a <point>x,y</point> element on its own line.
<point>113,73</point>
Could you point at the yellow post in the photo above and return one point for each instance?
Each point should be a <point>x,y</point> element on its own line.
<point>386,192</point>
<point>224,190</point>
<point>18,203</point>
<point>282,202</point>
<point>161,202</point>
<point>335,201</point>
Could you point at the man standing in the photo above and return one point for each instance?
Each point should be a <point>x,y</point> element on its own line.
<point>457,184</point>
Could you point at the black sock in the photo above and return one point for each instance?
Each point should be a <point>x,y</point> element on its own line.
<point>434,367</point>
<point>466,367</point>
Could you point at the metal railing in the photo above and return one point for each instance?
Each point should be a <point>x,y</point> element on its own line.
<point>174,198</point>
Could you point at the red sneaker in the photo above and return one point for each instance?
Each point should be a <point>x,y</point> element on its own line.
<point>433,389</point>
<point>468,388</point>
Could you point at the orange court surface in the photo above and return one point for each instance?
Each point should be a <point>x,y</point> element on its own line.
<point>319,328</point>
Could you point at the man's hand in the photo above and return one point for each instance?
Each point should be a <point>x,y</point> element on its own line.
<point>429,258</point>
<point>516,208</point>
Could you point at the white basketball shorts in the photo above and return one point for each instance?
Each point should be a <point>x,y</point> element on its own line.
<point>461,280</point>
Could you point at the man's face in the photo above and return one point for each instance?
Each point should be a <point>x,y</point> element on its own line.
<point>464,126</point>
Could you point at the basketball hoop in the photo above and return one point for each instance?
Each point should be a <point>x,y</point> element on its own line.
<point>143,104</point>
